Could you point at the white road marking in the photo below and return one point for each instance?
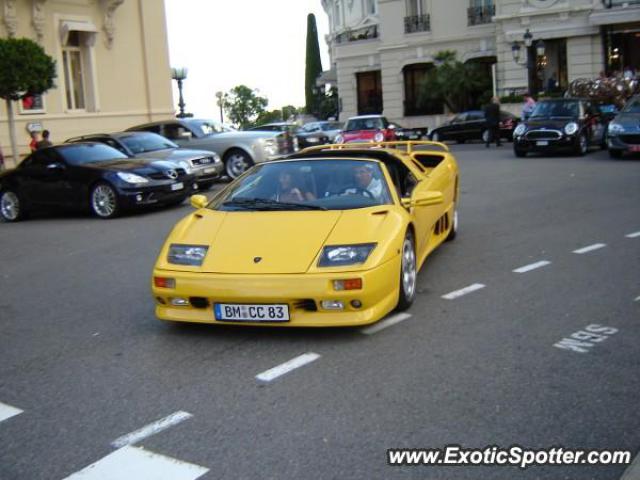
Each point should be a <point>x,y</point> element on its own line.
<point>584,340</point>
<point>532,266</point>
<point>590,248</point>
<point>386,323</point>
<point>633,235</point>
<point>286,367</point>
<point>133,462</point>
<point>151,429</point>
<point>463,291</point>
<point>7,411</point>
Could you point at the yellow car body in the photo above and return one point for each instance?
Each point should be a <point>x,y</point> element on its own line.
<point>272,257</point>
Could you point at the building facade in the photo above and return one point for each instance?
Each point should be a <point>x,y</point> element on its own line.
<point>112,65</point>
<point>381,50</point>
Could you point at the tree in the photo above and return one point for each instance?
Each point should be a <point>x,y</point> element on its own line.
<point>268,117</point>
<point>313,65</point>
<point>328,104</point>
<point>243,105</point>
<point>25,69</point>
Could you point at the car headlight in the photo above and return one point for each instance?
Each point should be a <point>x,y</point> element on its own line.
<point>216,158</point>
<point>187,254</point>
<point>378,137</point>
<point>615,128</point>
<point>520,129</point>
<point>270,147</point>
<point>131,178</point>
<point>339,139</point>
<point>342,255</point>
<point>571,128</point>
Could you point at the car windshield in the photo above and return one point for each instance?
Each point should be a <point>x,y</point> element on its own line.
<point>632,107</point>
<point>307,185</point>
<point>208,127</point>
<point>331,126</point>
<point>556,109</point>
<point>90,153</point>
<point>146,142</point>
<point>374,123</point>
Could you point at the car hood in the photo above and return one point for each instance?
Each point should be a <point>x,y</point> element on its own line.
<point>628,120</point>
<point>359,135</point>
<point>555,124</point>
<point>140,166</point>
<point>244,134</point>
<point>177,154</point>
<point>285,242</point>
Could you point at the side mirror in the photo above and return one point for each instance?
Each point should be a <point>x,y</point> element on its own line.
<point>199,201</point>
<point>423,199</point>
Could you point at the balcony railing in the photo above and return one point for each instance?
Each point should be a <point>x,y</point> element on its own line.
<point>365,33</point>
<point>417,23</point>
<point>480,15</point>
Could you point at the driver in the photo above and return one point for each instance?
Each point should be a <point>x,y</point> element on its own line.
<point>366,183</point>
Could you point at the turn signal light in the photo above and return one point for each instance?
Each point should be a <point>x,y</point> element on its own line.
<point>163,282</point>
<point>349,284</point>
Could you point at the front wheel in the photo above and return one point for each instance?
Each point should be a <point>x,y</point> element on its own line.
<point>435,137</point>
<point>408,273</point>
<point>103,201</point>
<point>11,209</point>
<point>454,226</point>
<point>581,145</point>
<point>236,162</point>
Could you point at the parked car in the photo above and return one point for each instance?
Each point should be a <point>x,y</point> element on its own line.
<point>206,166</point>
<point>89,176</point>
<point>624,130</point>
<point>330,128</point>
<point>561,124</point>
<point>406,134</point>
<point>238,150</point>
<point>366,128</point>
<point>352,229</point>
<point>302,138</point>
<point>472,125</point>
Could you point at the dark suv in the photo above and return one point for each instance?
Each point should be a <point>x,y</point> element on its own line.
<point>563,124</point>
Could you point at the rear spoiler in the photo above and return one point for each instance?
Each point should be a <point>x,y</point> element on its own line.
<point>406,146</point>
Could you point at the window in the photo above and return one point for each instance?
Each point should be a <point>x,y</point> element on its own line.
<point>415,8</point>
<point>74,77</point>
<point>32,104</point>
<point>175,131</point>
<point>415,100</point>
<point>370,7</point>
<point>369,92</point>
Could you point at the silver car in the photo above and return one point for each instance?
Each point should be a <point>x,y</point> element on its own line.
<point>239,150</point>
<point>330,128</point>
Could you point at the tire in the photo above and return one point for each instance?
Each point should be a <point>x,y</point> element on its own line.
<point>454,226</point>
<point>519,153</point>
<point>435,137</point>
<point>615,153</point>
<point>103,201</point>
<point>605,141</point>
<point>408,273</point>
<point>484,136</point>
<point>582,145</point>
<point>236,162</point>
<point>11,208</point>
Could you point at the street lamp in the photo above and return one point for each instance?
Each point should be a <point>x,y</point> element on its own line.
<point>180,74</point>
<point>529,61</point>
<point>219,96</point>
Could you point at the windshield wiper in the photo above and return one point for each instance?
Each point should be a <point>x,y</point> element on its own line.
<point>267,204</point>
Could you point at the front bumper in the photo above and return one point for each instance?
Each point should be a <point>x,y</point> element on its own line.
<point>564,143</point>
<point>378,296</point>
<point>624,142</point>
<point>158,193</point>
<point>207,173</point>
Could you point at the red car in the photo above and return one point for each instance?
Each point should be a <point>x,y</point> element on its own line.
<point>367,128</point>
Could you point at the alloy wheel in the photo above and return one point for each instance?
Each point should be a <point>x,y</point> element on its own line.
<point>103,201</point>
<point>408,268</point>
<point>10,206</point>
<point>236,165</point>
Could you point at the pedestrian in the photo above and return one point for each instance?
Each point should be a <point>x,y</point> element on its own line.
<point>33,144</point>
<point>492,119</point>
<point>45,142</point>
<point>529,105</point>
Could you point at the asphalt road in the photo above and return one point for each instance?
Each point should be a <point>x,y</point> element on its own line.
<point>84,360</point>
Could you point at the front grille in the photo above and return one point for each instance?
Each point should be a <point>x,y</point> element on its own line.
<point>307,304</point>
<point>163,176</point>
<point>632,139</point>
<point>202,161</point>
<point>543,135</point>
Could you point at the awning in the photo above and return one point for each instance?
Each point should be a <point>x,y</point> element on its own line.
<point>327,77</point>
<point>67,26</point>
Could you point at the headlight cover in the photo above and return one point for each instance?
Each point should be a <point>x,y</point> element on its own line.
<point>378,137</point>
<point>343,255</point>
<point>520,129</point>
<point>339,139</point>
<point>132,178</point>
<point>187,254</point>
<point>615,128</point>
<point>571,128</point>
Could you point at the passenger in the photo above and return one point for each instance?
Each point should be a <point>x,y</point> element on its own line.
<point>288,191</point>
<point>366,184</point>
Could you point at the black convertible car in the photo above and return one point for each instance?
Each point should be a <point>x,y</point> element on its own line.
<point>89,176</point>
<point>563,124</point>
<point>472,125</point>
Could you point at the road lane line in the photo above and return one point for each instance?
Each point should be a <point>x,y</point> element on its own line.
<point>287,367</point>
<point>129,463</point>
<point>151,429</point>
<point>590,248</point>
<point>633,235</point>
<point>463,291</point>
<point>7,411</point>
<point>386,323</point>
<point>532,266</point>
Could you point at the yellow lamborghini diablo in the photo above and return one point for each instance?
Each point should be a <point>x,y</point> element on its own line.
<point>332,236</point>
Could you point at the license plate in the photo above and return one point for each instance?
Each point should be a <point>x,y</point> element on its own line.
<point>233,312</point>
<point>209,170</point>
<point>542,143</point>
<point>177,186</point>
<point>634,148</point>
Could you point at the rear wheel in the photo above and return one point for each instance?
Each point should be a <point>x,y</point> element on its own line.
<point>408,273</point>
<point>236,162</point>
<point>11,209</point>
<point>103,201</point>
<point>582,146</point>
<point>454,226</point>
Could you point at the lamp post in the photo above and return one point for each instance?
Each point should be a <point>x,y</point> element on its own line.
<point>180,74</point>
<point>530,60</point>
<point>220,96</point>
